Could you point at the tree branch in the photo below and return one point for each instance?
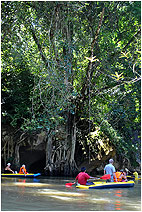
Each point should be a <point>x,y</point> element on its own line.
<point>133,38</point>
<point>39,46</point>
<point>88,72</point>
<point>97,32</point>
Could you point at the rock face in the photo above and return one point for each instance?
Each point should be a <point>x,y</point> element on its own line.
<point>7,145</point>
<point>51,154</point>
<point>20,148</point>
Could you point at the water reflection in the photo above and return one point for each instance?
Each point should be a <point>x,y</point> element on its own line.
<point>118,205</point>
<point>31,184</point>
<point>118,193</point>
<point>41,195</point>
<point>62,198</point>
<point>60,193</point>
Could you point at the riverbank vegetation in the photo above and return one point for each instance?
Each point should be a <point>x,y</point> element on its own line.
<point>71,72</point>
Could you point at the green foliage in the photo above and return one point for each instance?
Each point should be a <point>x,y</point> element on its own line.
<point>17,83</point>
<point>46,73</point>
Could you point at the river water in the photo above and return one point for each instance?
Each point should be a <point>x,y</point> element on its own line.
<point>50,194</point>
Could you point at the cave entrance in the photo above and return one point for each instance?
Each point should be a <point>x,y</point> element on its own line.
<point>35,160</point>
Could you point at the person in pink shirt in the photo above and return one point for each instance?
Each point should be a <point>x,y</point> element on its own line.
<point>82,177</point>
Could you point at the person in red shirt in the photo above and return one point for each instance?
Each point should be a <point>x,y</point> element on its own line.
<point>82,177</point>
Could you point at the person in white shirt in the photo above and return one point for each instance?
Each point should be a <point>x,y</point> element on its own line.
<point>110,169</point>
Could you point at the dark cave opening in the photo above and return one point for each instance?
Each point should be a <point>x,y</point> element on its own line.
<point>38,166</point>
<point>35,160</point>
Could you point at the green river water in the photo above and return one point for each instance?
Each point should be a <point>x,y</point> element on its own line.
<point>50,194</point>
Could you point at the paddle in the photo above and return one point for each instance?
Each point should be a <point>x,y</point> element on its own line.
<point>104,177</point>
<point>69,184</point>
<point>133,177</point>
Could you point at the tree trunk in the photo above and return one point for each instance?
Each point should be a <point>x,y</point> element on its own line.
<point>71,130</point>
<point>17,156</point>
<point>49,165</point>
<point>60,149</point>
<point>73,142</point>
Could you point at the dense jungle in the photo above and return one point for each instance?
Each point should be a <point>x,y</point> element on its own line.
<point>70,85</point>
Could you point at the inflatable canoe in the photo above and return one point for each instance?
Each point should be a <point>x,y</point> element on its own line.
<point>102,185</point>
<point>21,175</point>
<point>133,178</point>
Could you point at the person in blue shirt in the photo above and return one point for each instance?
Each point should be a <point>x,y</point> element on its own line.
<point>110,169</point>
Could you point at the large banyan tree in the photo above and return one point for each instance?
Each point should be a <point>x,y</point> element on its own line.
<point>71,70</point>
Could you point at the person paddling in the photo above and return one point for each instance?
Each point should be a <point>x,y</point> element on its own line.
<point>82,177</point>
<point>23,170</point>
<point>8,170</point>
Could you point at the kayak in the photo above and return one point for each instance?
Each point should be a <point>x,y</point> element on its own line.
<point>133,178</point>
<point>102,185</point>
<point>21,175</point>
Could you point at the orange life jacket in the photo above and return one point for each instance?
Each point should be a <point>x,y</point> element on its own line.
<point>118,174</point>
<point>22,172</point>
